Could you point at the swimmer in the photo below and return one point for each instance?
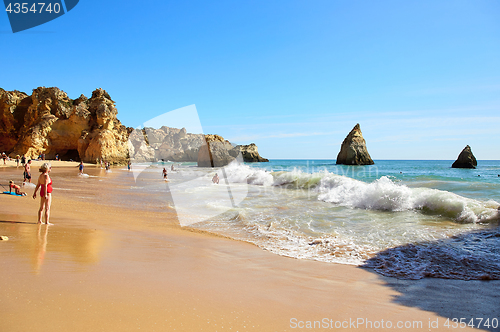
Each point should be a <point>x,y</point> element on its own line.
<point>215,179</point>
<point>16,188</point>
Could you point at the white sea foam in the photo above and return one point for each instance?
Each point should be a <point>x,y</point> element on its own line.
<point>401,226</point>
<point>240,173</point>
<point>383,194</point>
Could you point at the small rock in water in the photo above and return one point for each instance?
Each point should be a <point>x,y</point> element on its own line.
<point>4,238</point>
<point>314,242</point>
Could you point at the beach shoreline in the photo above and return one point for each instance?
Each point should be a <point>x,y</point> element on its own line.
<point>103,268</point>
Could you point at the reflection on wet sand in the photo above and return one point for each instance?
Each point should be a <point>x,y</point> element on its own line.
<point>41,247</point>
<point>40,243</point>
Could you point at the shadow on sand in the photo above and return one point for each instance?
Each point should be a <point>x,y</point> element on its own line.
<point>456,278</point>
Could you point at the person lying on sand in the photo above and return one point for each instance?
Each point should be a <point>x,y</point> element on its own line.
<point>16,188</point>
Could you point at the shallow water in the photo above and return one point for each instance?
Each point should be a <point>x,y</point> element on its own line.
<point>409,219</point>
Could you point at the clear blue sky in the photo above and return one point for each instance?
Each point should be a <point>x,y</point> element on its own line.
<point>421,77</point>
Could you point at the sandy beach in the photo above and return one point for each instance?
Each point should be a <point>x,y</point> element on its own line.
<point>106,267</point>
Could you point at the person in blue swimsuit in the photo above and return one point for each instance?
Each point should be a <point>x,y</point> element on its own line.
<point>80,168</point>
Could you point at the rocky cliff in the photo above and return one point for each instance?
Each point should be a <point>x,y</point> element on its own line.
<point>51,123</point>
<point>166,143</point>
<point>353,150</point>
<point>466,159</point>
<point>250,153</point>
<point>216,152</point>
<point>174,144</point>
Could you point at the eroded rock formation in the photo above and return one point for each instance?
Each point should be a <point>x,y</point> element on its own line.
<point>353,150</point>
<point>178,145</point>
<point>250,153</point>
<point>466,159</point>
<point>49,122</point>
<point>216,152</point>
<point>166,143</point>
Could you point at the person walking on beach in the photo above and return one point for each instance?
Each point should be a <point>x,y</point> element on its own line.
<point>45,185</point>
<point>129,165</point>
<point>17,161</point>
<point>4,157</point>
<point>23,160</point>
<point>27,172</point>
<point>164,173</point>
<point>80,168</point>
<point>16,188</point>
<point>215,179</point>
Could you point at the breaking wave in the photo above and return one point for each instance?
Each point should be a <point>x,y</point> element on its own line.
<point>382,194</point>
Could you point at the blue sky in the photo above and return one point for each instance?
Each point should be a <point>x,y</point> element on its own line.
<point>422,78</point>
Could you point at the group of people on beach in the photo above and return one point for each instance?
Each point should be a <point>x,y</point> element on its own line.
<point>26,178</point>
<point>105,164</point>
<point>44,183</point>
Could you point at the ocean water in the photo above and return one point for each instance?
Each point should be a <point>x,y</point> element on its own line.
<point>408,219</point>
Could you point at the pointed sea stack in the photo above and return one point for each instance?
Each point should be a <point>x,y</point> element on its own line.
<point>465,160</point>
<point>353,150</point>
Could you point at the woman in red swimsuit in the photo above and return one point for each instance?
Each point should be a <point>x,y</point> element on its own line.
<point>45,184</point>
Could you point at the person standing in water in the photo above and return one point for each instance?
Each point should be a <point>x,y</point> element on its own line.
<point>80,168</point>
<point>164,173</point>
<point>45,185</point>
<point>215,179</point>
<point>27,172</point>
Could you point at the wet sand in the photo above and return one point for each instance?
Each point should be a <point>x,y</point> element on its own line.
<point>106,268</point>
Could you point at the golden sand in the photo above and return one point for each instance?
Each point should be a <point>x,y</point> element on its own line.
<point>102,268</point>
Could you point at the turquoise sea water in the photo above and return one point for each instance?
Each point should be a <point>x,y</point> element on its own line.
<point>409,219</point>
